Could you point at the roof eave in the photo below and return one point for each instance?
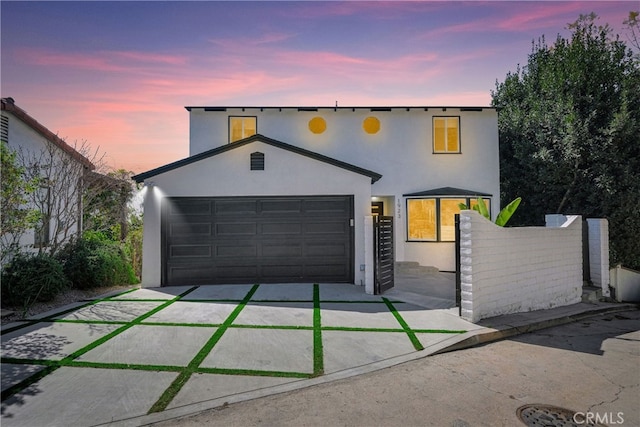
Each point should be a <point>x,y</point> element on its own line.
<point>448,192</point>
<point>221,108</point>
<point>21,114</point>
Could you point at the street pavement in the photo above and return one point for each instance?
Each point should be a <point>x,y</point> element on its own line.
<point>590,367</point>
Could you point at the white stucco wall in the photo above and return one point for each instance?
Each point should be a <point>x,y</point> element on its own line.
<point>228,175</point>
<point>401,151</point>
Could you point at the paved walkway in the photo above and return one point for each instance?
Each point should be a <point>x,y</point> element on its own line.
<point>151,354</point>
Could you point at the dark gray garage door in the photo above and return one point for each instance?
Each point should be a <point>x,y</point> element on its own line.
<point>257,240</point>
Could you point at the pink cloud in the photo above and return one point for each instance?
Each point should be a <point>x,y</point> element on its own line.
<point>148,57</point>
<point>99,61</point>
<point>540,16</point>
<point>516,17</point>
<point>244,42</point>
<point>48,58</point>
<point>269,38</point>
<point>377,9</point>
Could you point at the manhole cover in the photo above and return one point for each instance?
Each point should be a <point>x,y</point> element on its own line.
<point>538,415</point>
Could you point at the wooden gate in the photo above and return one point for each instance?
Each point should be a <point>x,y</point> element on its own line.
<point>458,272</point>
<point>383,253</point>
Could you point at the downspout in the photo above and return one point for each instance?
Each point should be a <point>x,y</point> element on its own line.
<point>80,201</point>
<point>123,213</point>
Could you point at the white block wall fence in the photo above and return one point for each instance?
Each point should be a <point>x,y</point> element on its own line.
<point>599,253</point>
<point>511,270</point>
<point>626,283</point>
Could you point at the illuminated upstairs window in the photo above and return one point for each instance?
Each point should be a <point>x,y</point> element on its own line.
<point>241,127</point>
<point>446,134</point>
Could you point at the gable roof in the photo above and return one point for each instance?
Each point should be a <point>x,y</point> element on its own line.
<point>8,104</point>
<point>256,138</point>
<point>447,191</point>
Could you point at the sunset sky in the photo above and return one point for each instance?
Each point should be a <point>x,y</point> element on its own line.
<point>118,74</point>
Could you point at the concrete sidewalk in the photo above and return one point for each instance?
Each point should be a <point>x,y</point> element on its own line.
<point>154,354</point>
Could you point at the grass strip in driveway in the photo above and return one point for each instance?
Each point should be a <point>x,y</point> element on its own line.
<point>177,384</point>
<point>290,327</point>
<point>360,329</point>
<point>67,360</point>
<point>132,366</point>
<point>254,373</point>
<point>318,356</point>
<point>187,325</point>
<point>234,301</point>
<point>410,333</point>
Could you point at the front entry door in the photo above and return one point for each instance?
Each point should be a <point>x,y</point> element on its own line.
<point>383,253</point>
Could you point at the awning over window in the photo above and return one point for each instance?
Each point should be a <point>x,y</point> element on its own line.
<point>447,191</point>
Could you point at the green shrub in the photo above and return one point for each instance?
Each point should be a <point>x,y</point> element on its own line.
<point>133,249</point>
<point>93,261</point>
<point>30,278</point>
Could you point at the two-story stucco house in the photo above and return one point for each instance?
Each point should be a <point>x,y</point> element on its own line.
<point>287,194</point>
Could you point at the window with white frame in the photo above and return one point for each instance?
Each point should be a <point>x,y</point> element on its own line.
<point>241,127</point>
<point>41,235</point>
<point>446,135</point>
<point>432,219</point>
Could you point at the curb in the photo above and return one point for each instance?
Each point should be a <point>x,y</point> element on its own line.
<point>506,331</point>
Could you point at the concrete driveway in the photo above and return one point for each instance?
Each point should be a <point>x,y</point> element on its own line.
<point>166,350</point>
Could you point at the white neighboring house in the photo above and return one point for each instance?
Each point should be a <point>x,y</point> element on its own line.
<point>287,194</point>
<point>60,199</point>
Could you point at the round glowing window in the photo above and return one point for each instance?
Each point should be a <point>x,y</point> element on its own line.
<point>371,125</point>
<point>317,125</point>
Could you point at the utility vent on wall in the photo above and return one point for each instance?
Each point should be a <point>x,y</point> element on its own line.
<point>4,135</point>
<point>257,161</point>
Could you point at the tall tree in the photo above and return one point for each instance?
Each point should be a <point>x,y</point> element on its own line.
<point>569,124</point>
<point>58,197</point>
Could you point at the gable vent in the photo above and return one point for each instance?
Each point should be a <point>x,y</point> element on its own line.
<point>4,132</point>
<point>257,161</point>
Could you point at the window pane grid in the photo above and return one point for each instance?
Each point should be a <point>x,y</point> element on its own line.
<point>446,135</point>
<point>448,209</point>
<point>242,127</point>
<point>422,219</point>
<point>433,219</point>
